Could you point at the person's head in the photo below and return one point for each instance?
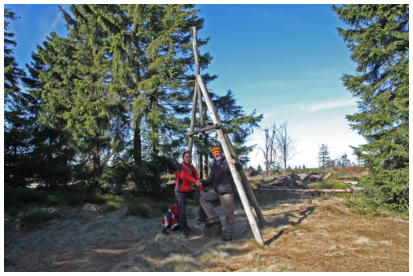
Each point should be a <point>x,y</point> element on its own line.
<point>187,157</point>
<point>216,152</point>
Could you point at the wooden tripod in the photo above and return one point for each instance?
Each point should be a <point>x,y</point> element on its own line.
<point>240,179</point>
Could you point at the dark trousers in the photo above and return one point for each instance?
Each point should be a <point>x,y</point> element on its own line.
<point>181,200</point>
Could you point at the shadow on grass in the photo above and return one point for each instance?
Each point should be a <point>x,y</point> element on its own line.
<point>285,218</point>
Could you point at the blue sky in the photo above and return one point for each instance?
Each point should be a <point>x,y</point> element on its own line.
<point>284,61</point>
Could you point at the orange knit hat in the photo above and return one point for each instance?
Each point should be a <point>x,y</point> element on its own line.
<point>216,149</point>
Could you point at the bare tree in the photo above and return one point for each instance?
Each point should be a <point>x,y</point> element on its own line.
<point>285,146</point>
<point>270,150</point>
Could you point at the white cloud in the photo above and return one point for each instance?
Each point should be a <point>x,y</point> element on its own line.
<point>330,105</point>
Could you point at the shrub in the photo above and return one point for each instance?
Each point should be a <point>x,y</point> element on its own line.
<point>36,217</point>
<point>331,184</point>
<point>139,209</point>
<point>87,198</point>
<point>366,206</point>
<point>113,202</point>
<point>146,207</point>
<point>22,196</point>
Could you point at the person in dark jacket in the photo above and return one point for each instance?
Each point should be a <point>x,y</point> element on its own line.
<point>186,176</point>
<point>221,179</point>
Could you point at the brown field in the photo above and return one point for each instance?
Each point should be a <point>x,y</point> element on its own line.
<point>300,235</point>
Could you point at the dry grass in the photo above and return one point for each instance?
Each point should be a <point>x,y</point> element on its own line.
<point>331,238</point>
<point>300,235</point>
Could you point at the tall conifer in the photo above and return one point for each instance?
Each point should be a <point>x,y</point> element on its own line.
<point>378,38</point>
<point>147,50</point>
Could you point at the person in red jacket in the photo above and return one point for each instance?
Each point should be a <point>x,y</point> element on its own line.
<point>186,176</point>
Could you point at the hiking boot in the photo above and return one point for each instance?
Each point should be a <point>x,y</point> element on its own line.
<point>185,231</point>
<point>212,223</point>
<point>226,238</point>
<point>202,219</point>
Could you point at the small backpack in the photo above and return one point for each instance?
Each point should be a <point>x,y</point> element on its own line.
<point>170,220</point>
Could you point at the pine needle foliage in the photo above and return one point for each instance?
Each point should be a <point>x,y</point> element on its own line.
<point>378,37</point>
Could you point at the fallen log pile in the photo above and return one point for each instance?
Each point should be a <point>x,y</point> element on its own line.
<point>312,190</point>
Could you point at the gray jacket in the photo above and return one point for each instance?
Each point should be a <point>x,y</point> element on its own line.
<point>221,177</point>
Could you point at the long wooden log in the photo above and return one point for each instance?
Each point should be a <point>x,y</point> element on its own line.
<point>196,93</point>
<point>234,173</point>
<point>247,186</point>
<point>313,190</point>
<point>200,107</point>
<point>192,125</point>
<point>194,46</point>
<point>221,136</point>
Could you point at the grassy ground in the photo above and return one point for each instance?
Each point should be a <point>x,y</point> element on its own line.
<point>65,232</point>
<point>318,234</point>
<point>323,235</point>
<point>32,208</point>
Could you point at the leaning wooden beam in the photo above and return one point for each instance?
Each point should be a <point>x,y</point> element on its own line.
<point>235,175</point>
<point>221,136</point>
<point>200,107</point>
<point>247,186</point>
<point>192,125</point>
<point>197,93</point>
<point>194,46</point>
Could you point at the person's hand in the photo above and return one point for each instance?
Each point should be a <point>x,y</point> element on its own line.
<point>198,182</point>
<point>233,161</point>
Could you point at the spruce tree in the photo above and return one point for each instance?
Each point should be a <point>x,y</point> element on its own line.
<point>12,75</point>
<point>378,37</point>
<point>147,50</point>
<point>18,118</point>
<point>57,78</point>
<point>324,156</point>
<point>49,155</point>
<point>94,115</point>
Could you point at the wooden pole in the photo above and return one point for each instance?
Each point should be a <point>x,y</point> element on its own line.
<point>234,173</point>
<point>200,107</point>
<point>194,46</point>
<point>224,144</point>
<point>247,186</point>
<point>191,127</point>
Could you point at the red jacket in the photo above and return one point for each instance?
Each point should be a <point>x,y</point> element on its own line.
<point>185,176</point>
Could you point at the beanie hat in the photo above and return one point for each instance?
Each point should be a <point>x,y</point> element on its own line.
<point>216,149</point>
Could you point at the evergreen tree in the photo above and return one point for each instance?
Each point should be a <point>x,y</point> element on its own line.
<point>12,73</point>
<point>324,156</point>
<point>18,120</point>
<point>57,76</point>
<point>93,118</point>
<point>147,50</point>
<point>379,40</point>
